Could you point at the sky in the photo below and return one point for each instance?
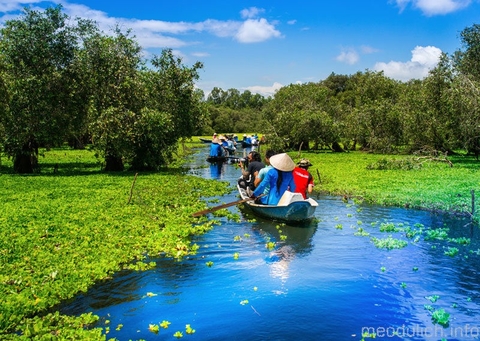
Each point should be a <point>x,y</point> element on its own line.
<point>265,44</point>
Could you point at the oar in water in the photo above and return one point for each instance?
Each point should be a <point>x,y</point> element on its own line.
<point>216,208</point>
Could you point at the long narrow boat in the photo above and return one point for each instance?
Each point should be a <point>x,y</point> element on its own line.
<point>217,159</point>
<point>291,207</point>
<point>205,140</point>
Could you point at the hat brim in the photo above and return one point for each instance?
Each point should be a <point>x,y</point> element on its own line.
<point>283,162</point>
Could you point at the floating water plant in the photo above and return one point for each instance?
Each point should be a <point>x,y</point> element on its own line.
<point>178,334</point>
<point>361,232</point>
<point>154,328</point>
<point>438,234</point>
<point>451,251</point>
<point>383,269</point>
<point>209,264</point>
<point>460,240</point>
<point>283,237</point>
<point>339,226</point>
<point>189,330</point>
<point>151,294</point>
<point>244,302</point>
<point>235,255</point>
<point>403,285</point>
<point>165,324</point>
<point>415,268</point>
<point>270,245</point>
<point>388,227</point>
<point>441,317</point>
<point>432,298</point>
<point>389,243</point>
<point>119,327</point>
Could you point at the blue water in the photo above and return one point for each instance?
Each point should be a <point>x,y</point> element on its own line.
<point>322,283</point>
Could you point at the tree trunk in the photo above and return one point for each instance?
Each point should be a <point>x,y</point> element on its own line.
<point>337,148</point>
<point>113,163</point>
<point>23,163</point>
<point>26,161</point>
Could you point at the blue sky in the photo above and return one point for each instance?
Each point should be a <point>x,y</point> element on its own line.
<point>263,45</point>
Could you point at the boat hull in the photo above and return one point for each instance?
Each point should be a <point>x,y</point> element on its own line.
<point>297,211</point>
<point>217,159</point>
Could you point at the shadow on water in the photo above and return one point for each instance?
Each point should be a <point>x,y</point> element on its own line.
<point>255,279</point>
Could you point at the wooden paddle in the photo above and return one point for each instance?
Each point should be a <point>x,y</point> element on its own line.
<point>216,208</point>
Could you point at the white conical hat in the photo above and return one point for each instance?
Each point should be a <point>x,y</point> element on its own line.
<point>282,162</point>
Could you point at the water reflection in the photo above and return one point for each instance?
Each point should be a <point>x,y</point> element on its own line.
<point>216,170</point>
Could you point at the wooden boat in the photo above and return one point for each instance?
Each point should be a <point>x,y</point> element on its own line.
<point>217,159</point>
<point>205,140</point>
<point>291,208</point>
<point>248,145</point>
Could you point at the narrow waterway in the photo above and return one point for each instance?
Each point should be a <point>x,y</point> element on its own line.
<point>324,281</point>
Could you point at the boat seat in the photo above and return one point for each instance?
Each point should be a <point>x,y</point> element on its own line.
<point>289,197</point>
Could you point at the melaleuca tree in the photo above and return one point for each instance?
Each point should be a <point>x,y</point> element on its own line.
<point>111,67</point>
<point>37,52</point>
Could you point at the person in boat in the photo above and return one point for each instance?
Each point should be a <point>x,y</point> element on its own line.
<point>216,148</point>
<point>247,180</point>
<point>227,144</point>
<point>279,178</point>
<point>303,178</point>
<point>214,136</point>
<point>262,172</point>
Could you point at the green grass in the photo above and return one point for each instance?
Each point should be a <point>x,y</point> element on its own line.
<point>61,232</point>
<point>434,186</point>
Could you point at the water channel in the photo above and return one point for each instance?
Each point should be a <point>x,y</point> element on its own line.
<point>325,281</point>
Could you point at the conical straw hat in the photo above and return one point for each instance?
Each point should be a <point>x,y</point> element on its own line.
<point>282,162</point>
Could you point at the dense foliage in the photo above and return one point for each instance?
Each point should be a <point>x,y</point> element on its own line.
<point>368,110</point>
<point>64,80</point>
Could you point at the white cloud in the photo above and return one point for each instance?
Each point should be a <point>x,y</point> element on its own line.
<point>200,54</point>
<point>265,91</point>
<point>349,56</point>
<point>435,7</point>
<point>254,31</point>
<point>252,12</point>
<point>423,60</point>
<point>368,49</point>
<point>291,22</point>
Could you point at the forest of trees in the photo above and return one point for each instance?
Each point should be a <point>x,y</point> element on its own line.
<point>369,111</point>
<point>63,80</point>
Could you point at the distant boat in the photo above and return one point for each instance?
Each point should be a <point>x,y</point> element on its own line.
<point>248,145</point>
<point>217,159</point>
<point>291,208</point>
<point>205,140</point>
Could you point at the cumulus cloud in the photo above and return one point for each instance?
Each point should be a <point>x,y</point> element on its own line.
<point>349,56</point>
<point>265,91</point>
<point>434,7</point>
<point>252,12</point>
<point>423,60</point>
<point>254,31</point>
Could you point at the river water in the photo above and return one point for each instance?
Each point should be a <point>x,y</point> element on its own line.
<point>324,281</point>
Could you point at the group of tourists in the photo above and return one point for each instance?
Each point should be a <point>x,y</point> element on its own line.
<point>222,145</point>
<point>267,182</point>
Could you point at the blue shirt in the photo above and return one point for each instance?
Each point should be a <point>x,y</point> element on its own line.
<point>271,178</point>
<point>216,150</point>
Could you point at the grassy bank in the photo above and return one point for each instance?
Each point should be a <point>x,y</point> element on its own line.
<point>64,229</point>
<point>60,232</point>
<point>410,182</point>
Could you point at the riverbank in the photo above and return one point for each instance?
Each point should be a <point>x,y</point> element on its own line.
<point>72,225</point>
